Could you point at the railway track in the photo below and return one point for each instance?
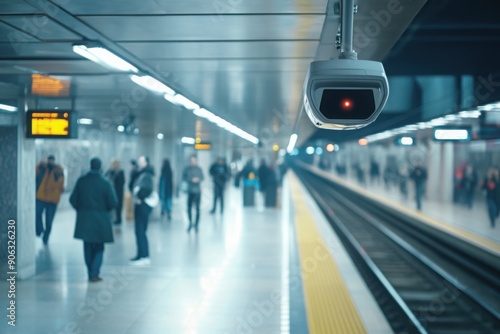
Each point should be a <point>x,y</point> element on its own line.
<point>421,285</point>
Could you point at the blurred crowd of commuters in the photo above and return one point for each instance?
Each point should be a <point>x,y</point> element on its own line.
<point>467,182</point>
<point>100,199</point>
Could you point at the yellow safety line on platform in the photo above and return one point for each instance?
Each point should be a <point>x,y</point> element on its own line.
<point>486,244</point>
<point>329,306</point>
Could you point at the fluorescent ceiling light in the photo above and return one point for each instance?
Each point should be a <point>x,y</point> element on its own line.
<point>291,143</point>
<point>451,134</point>
<point>8,108</point>
<point>181,101</point>
<point>470,114</point>
<point>491,106</point>
<point>85,121</point>
<point>188,140</point>
<point>220,122</point>
<point>152,84</point>
<point>104,58</point>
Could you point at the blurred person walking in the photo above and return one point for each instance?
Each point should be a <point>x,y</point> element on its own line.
<point>192,175</point>
<point>93,198</point>
<point>49,187</point>
<point>129,205</point>
<point>419,177</point>
<point>117,178</point>
<point>143,188</point>
<point>165,189</point>
<point>469,184</point>
<point>263,175</point>
<point>491,187</point>
<point>220,174</point>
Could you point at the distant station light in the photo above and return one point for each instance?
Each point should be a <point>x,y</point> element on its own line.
<point>310,150</point>
<point>188,140</point>
<point>330,147</point>
<point>450,134</point>
<point>363,141</point>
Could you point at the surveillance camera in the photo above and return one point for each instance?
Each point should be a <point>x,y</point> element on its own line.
<point>345,94</point>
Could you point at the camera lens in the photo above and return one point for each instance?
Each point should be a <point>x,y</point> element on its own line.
<point>347,103</point>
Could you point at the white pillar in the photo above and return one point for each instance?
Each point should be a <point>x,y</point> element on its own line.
<point>26,180</point>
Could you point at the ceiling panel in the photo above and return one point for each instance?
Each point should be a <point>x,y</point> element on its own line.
<point>13,36</point>
<point>51,67</point>
<point>222,50</point>
<point>204,28</point>
<point>233,65</point>
<point>220,7</point>
<point>34,50</point>
<point>16,7</point>
<point>40,26</point>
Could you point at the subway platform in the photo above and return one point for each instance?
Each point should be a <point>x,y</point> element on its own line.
<point>471,225</point>
<point>250,270</point>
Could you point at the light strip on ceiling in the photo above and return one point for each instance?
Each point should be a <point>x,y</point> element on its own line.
<point>8,108</point>
<point>181,100</point>
<point>152,84</point>
<point>104,58</point>
<point>291,143</point>
<point>211,117</point>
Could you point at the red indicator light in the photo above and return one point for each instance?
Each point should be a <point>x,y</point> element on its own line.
<point>346,104</point>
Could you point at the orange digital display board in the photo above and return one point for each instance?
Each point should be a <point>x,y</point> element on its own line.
<point>43,85</point>
<point>49,124</point>
<point>202,146</point>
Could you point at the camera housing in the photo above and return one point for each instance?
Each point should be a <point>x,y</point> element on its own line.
<point>345,94</point>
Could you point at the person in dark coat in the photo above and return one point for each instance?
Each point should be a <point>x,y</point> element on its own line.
<point>263,173</point>
<point>220,174</point>
<point>143,187</point>
<point>273,178</point>
<point>192,175</point>
<point>468,185</point>
<point>419,177</point>
<point>165,188</point>
<point>93,198</point>
<point>117,178</point>
<point>134,173</point>
<point>491,187</point>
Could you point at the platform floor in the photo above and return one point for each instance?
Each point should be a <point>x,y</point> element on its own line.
<point>242,273</point>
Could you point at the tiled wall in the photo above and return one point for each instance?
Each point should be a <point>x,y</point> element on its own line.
<point>8,187</point>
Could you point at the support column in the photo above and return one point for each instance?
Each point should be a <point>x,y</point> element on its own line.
<point>26,195</point>
<point>433,172</point>
<point>17,198</point>
<point>446,181</point>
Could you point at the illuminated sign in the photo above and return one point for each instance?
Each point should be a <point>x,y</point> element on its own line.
<point>43,85</point>
<point>452,134</point>
<point>202,146</point>
<point>49,124</point>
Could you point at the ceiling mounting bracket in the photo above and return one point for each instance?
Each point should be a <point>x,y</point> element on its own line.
<point>346,28</point>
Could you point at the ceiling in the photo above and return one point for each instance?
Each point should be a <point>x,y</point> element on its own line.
<point>445,42</point>
<point>243,60</point>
